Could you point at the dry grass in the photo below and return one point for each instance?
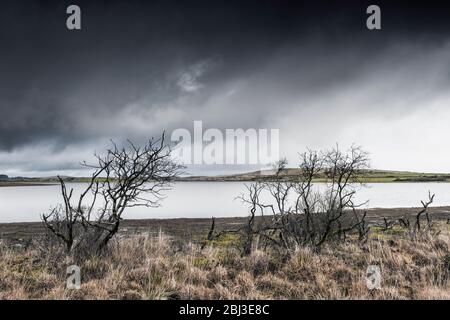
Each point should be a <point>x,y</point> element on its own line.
<point>146,267</point>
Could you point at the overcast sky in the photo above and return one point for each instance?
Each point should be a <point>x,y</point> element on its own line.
<point>316,73</point>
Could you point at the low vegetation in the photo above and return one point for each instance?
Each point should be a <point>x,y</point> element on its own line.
<point>157,267</point>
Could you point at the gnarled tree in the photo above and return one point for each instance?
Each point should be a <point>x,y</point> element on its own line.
<point>125,177</point>
<point>298,212</point>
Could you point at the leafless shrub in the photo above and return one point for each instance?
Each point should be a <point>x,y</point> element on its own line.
<point>425,205</point>
<point>125,177</point>
<point>413,223</point>
<point>293,213</point>
<point>250,229</point>
<point>362,226</point>
<point>387,224</point>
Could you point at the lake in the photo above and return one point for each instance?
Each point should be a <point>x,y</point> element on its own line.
<point>207,199</point>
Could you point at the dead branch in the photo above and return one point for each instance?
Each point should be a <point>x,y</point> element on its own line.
<point>424,211</point>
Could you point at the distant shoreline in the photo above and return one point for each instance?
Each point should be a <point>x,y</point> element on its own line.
<point>290,174</point>
<point>26,184</point>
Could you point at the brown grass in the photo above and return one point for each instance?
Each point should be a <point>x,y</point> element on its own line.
<point>152,267</point>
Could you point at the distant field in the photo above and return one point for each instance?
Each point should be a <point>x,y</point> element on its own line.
<point>288,174</point>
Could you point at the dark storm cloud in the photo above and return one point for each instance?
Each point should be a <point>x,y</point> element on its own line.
<point>139,67</point>
<point>53,79</point>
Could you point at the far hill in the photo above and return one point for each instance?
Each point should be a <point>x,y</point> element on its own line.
<point>366,175</point>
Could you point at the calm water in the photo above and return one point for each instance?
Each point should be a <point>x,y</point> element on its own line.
<point>206,199</point>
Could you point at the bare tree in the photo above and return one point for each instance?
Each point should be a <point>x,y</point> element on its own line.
<point>298,213</point>
<point>125,177</point>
